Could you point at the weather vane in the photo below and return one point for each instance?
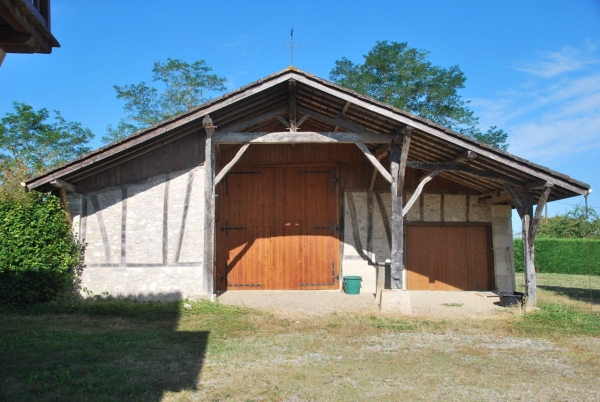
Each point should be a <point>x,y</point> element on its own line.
<point>291,45</point>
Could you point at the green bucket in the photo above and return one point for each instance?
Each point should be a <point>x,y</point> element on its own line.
<point>352,284</point>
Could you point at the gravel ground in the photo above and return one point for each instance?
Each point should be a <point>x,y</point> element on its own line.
<point>299,303</point>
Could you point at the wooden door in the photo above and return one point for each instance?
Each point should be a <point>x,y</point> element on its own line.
<point>277,229</point>
<point>244,230</point>
<point>449,258</point>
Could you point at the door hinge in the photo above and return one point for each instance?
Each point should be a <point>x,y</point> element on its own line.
<point>226,228</point>
<point>334,228</point>
<point>226,180</point>
<point>334,277</point>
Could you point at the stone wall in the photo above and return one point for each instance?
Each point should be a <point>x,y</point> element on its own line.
<point>429,208</point>
<point>144,239</point>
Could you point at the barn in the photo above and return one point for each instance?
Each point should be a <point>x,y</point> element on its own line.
<point>293,182</point>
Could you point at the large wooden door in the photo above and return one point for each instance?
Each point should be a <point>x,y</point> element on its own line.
<point>277,229</point>
<point>449,258</point>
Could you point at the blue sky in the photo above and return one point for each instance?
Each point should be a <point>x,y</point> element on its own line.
<point>532,67</point>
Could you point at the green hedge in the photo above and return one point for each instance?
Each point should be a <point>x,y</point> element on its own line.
<point>39,257</point>
<point>562,256</point>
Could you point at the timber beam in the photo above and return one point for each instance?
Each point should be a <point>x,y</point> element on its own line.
<point>398,164</point>
<point>208,263</point>
<point>228,167</point>
<point>256,120</point>
<point>456,167</point>
<point>292,102</point>
<point>301,137</point>
<point>339,120</point>
<point>374,161</point>
<point>463,157</point>
<point>418,191</point>
<point>58,183</point>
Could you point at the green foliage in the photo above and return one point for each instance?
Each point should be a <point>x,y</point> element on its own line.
<point>562,256</point>
<point>39,258</point>
<point>185,87</point>
<point>30,142</point>
<point>574,224</point>
<point>402,76</point>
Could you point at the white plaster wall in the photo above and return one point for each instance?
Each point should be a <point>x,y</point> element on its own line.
<point>192,248</point>
<point>147,283</point>
<point>477,212</point>
<point>502,238</point>
<point>455,208</point>
<point>94,251</point>
<point>179,278</point>
<point>432,207</point>
<point>111,207</point>
<point>145,203</point>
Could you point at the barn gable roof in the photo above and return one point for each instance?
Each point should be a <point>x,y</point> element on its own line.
<point>326,107</point>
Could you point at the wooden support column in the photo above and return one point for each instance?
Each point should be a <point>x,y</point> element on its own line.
<point>208,275</point>
<point>530,224</point>
<point>398,157</point>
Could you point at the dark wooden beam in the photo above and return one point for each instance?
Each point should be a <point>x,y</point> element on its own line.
<point>301,137</point>
<point>285,122</point>
<point>456,167</point>
<point>345,109</point>
<point>209,209</point>
<point>292,102</point>
<point>464,156</point>
<point>339,120</point>
<point>254,121</point>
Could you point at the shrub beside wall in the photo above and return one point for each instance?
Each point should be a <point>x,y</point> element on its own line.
<point>39,256</point>
<point>562,256</point>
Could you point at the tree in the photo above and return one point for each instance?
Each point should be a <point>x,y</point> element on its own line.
<point>185,87</point>
<point>31,143</point>
<point>401,76</point>
<point>574,224</point>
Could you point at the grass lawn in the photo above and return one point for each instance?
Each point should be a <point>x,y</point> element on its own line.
<point>114,351</point>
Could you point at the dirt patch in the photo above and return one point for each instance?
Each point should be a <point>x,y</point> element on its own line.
<point>298,304</point>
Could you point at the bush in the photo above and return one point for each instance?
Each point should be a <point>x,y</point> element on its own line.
<point>39,257</point>
<point>562,256</point>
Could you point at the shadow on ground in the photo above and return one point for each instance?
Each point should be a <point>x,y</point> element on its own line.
<point>578,294</point>
<point>104,350</point>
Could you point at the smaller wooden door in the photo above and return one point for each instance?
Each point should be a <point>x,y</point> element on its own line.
<point>449,258</point>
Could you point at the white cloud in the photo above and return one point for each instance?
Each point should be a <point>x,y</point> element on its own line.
<point>553,63</point>
<point>553,139</point>
<point>557,115</point>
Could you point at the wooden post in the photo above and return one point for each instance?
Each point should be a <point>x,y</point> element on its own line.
<point>209,209</point>
<point>398,159</point>
<point>530,223</point>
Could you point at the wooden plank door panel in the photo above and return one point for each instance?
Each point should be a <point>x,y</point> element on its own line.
<point>279,207</point>
<point>448,258</point>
